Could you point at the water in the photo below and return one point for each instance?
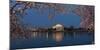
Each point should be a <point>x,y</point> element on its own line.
<point>50,39</point>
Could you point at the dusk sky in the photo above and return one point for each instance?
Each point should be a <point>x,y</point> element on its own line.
<point>35,18</point>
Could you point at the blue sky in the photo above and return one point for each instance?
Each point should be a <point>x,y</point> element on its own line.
<point>42,20</point>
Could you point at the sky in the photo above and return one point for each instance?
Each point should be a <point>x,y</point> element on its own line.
<point>42,20</point>
<point>35,18</point>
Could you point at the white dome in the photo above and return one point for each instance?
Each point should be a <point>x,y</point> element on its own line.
<point>57,25</point>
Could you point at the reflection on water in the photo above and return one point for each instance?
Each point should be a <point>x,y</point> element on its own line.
<point>38,39</point>
<point>57,36</point>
